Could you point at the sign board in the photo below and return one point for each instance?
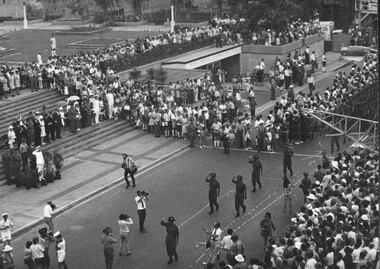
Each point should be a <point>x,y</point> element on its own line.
<point>327,27</point>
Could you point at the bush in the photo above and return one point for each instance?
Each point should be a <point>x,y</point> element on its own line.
<point>135,74</point>
<point>101,18</point>
<point>161,75</point>
<point>151,73</point>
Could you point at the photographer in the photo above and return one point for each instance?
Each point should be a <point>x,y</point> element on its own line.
<point>129,168</point>
<point>141,199</point>
<point>108,240</point>
<point>124,222</point>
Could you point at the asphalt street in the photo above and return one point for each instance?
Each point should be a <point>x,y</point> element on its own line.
<point>177,188</point>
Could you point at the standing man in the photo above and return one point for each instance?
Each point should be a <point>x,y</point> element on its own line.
<point>124,222</point>
<point>257,171</point>
<point>240,195</point>
<point>213,192</point>
<point>306,185</point>
<point>141,200</point>
<point>324,62</point>
<point>53,44</point>
<point>226,244</point>
<point>172,237</point>
<point>60,247</point>
<point>48,218</point>
<point>311,83</point>
<point>287,161</point>
<point>5,229</point>
<point>128,165</point>
<point>192,132</point>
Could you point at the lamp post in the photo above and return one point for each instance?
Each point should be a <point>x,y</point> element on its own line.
<point>25,19</point>
<point>172,23</point>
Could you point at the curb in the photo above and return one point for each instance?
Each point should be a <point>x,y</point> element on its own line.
<point>77,202</point>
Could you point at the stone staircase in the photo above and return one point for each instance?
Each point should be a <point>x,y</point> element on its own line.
<point>70,144</point>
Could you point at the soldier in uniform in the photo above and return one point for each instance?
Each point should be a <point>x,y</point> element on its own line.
<point>172,238</point>
<point>287,161</point>
<point>58,163</point>
<point>240,195</point>
<point>257,171</point>
<point>213,192</point>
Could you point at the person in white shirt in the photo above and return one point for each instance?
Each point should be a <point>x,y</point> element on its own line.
<point>40,161</point>
<point>5,229</point>
<point>124,222</point>
<point>53,44</point>
<point>39,59</point>
<point>110,99</point>
<point>141,199</point>
<point>61,250</point>
<point>48,216</point>
<point>226,244</point>
<point>37,253</point>
<point>215,237</point>
<point>311,82</point>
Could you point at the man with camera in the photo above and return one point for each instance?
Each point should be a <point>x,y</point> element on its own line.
<point>129,168</point>
<point>141,199</point>
<point>48,218</point>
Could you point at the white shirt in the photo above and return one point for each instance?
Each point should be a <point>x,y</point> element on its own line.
<point>226,242</point>
<point>53,42</point>
<point>37,251</point>
<point>39,157</point>
<point>61,251</point>
<point>48,211</point>
<point>124,225</point>
<point>216,234</point>
<point>5,226</point>
<point>140,204</point>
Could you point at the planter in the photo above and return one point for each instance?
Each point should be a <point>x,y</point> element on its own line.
<point>70,22</point>
<point>91,31</point>
<point>128,23</point>
<point>95,43</point>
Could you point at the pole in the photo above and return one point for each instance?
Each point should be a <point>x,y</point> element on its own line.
<point>25,19</point>
<point>172,23</point>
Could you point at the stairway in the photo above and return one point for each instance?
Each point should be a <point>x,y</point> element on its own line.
<point>14,107</point>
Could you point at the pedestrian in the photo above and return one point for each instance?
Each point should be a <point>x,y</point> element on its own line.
<point>324,62</point>
<point>5,229</point>
<point>141,199</point>
<point>236,249</point>
<point>125,234</point>
<point>38,254</point>
<point>334,140</point>
<point>108,240</point>
<point>28,256</point>
<point>257,171</point>
<point>215,237</point>
<point>53,44</point>
<point>226,244</point>
<point>48,216</point>
<point>288,187</point>
<point>287,161</point>
<point>60,247</point>
<point>44,241</point>
<point>172,237</point>
<point>310,81</point>
<point>129,169</point>
<point>305,185</point>
<point>240,195</point>
<point>40,161</point>
<point>192,132</point>
<point>213,192</point>
<point>267,227</point>
<point>7,258</point>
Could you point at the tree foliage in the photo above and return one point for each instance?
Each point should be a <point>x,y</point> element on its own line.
<point>105,4</point>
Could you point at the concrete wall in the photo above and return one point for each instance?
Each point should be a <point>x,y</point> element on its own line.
<point>251,55</point>
<point>11,8</point>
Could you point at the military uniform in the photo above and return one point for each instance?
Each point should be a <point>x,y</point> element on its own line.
<point>213,192</point>
<point>256,171</point>
<point>172,237</point>
<point>240,195</point>
<point>287,162</point>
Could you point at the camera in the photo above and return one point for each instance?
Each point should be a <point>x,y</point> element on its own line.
<point>144,193</point>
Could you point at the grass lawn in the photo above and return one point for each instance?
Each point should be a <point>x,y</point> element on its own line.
<point>30,42</point>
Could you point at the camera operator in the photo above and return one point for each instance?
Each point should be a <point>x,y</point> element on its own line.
<point>141,199</point>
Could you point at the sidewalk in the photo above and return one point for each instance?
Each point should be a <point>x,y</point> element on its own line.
<point>94,170</point>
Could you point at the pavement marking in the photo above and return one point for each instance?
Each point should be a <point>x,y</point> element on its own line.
<point>228,194</point>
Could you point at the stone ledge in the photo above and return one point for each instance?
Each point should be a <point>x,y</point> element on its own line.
<point>86,44</point>
<point>90,32</point>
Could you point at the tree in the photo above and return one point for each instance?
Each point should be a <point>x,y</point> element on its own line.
<point>151,73</point>
<point>161,75</point>
<point>135,74</point>
<point>104,4</point>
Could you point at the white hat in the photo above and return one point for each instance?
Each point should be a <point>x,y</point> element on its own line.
<point>317,183</point>
<point>10,127</point>
<point>57,233</point>
<point>294,220</point>
<point>298,245</point>
<point>239,258</point>
<point>5,214</point>
<point>7,248</point>
<point>365,217</point>
<point>279,252</point>
<point>311,197</point>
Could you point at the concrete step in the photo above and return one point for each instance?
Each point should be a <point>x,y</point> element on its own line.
<point>71,144</point>
<point>23,106</point>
